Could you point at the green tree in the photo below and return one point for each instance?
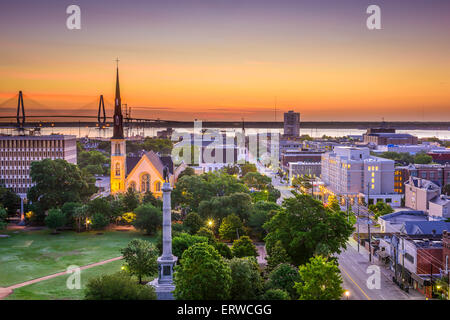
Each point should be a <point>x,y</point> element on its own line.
<point>57,182</point>
<point>202,275</point>
<point>101,206</point>
<point>231,169</point>
<point>275,294</point>
<point>193,222</point>
<point>446,190</point>
<point>117,286</point>
<point>10,201</point>
<point>68,209</point>
<point>141,258</point>
<point>3,217</point>
<point>130,200</point>
<point>320,279</point>
<point>247,283</point>
<point>191,190</point>
<point>244,247</point>
<point>149,197</point>
<point>99,221</point>
<point>223,249</point>
<point>148,218</point>
<point>183,241</point>
<point>256,180</point>
<point>207,233</point>
<point>276,255</point>
<point>333,203</point>
<point>305,227</point>
<point>261,212</point>
<point>380,209</point>
<point>284,277</point>
<point>230,228</point>
<point>247,167</point>
<point>189,171</point>
<point>80,215</point>
<point>55,219</point>
<point>422,158</point>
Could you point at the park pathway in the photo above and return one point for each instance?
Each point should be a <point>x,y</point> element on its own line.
<point>4,292</point>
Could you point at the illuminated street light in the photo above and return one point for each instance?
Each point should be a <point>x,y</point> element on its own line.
<point>347,293</point>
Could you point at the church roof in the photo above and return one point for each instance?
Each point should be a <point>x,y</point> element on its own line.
<point>158,162</point>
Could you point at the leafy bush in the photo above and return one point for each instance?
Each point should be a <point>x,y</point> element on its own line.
<point>99,221</point>
<point>118,286</point>
<point>55,219</point>
<point>148,218</point>
<point>244,247</point>
<point>193,222</point>
<point>183,241</point>
<point>223,249</point>
<point>275,294</point>
<point>247,283</point>
<point>284,277</point>
<point>3,216</point>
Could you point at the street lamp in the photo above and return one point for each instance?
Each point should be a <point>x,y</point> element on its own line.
<point>210,223</point>
<point>347,293</point>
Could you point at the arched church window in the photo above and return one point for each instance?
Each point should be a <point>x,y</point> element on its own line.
<point>117,151</point>
<point>117,169</point>
<point>133,185</point>
<point>145,182</point>
<point>158,186</point>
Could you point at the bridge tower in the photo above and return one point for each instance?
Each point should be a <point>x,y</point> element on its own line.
<point>20,107</point>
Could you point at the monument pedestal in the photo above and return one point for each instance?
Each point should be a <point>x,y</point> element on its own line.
<point>166,262</point>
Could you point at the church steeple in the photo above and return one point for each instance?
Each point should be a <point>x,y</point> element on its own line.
<point>118,118</point>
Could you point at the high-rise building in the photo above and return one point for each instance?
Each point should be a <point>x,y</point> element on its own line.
<point>291,124</point>
<point>352,172</point>
<point>18,152</point>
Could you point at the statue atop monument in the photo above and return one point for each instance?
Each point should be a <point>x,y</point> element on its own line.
<point>166,173</point>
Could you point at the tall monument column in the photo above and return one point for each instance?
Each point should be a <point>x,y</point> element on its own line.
<point>164,283</point>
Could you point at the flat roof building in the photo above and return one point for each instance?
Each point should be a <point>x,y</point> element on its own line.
<point>18,152</point>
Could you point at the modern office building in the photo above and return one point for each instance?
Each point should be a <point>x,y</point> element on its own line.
<point>291,124</point>
<point>353,173</point>
<point>18,152</point>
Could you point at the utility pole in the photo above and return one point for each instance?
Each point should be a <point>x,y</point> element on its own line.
<point>431,278</point>
<point>357,222</point>
<point>403,260</point>
<point>368,221</point>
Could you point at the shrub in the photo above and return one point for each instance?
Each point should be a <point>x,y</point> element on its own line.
<point>208,233</point>
<point>275,294</point>
<point>99,221</point>
<point>247,283</point>
<point>193,222</point>
<point>118,286</point>
<point>284,277</point>
<point>129,217</point>
<point>244,247</point>
<point>148,218</point>
<point>55,219</point>
<point>223,249</point>
<point>183,241</point>
<point>3,216</point>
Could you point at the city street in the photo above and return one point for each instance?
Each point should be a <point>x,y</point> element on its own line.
<point>353,266</point>
<point>284,189</point>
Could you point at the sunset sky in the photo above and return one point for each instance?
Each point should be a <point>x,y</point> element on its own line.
<point>228,59</point>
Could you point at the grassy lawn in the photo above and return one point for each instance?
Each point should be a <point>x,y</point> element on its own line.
<point>56,288</point>
<point>28,255</point>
